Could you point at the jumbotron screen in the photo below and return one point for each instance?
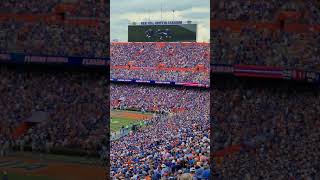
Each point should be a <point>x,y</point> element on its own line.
<point>162,32</point>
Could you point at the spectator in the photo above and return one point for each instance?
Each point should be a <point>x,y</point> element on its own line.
<point>265,47</point>
<point>67,98</point>
<point>273,122</point>
<point>55,39</point>
<point>147,57</point>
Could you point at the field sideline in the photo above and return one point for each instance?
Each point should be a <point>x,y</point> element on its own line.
<point>124,118</point>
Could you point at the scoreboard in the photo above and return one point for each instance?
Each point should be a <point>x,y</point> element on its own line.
<point>162,31</point>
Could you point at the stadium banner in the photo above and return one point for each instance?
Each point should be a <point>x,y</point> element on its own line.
<point>159,82</point>
<point>259,71</point>
<point>266,72</point>
<point>17,58</point>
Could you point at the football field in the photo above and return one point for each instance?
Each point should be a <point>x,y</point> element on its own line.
<point>29,166</point>
<point>121,118</point>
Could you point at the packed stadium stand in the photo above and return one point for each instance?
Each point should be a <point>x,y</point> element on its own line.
<point>183,55</point>
<point>51,109</point>
<point>265,11</point>
<point>267,130</point>
<point>266,33</point>
<point>52,100</point>
<point>56,28</point>
<point>264,111</point>
<point>171,62</point>
<point>157,78</point>
<point>174,144</point>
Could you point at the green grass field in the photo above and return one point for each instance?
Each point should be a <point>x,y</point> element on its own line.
<point>118,123</point>
<point>126,118</point>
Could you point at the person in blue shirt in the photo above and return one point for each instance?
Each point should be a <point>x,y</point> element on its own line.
<point>206,173</point>
<point>199,171</point>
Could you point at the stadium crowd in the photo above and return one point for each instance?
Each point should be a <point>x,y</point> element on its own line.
<point>75,8</point>
<point>147,97</point>
<point>276,125</point>
<point>253,47</point>
<point>266,47</point>
<point>32,6</point>
<point>148,57</point>
<point>264,11</point>
<point>265,129</point>
<point>73,101</point>
<point>53,38</point>
<point>162,75</point>
<point>184,55</point>
<point>172,145</point>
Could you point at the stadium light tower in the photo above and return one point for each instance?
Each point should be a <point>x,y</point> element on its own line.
<point>172,15</point>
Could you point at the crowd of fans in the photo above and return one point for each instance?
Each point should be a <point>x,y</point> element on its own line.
<point>147,97</point>
<point>265,129</point>
<point>245,10</point>
<point>33,6</point>
<point>276,125</point>
<point>279,48</point>
<point>183,55</point>
<point>54,38</point>
<point>172,145</point>
<point>92,8</point>
<point>162,75</point>
<point>75,8</point>
<point>266,47</point>
<point>148,57</point>
<point>73,101</point>
<point>264,11</point>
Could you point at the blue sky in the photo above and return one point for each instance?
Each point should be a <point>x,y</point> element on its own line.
<point>125,11</point>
